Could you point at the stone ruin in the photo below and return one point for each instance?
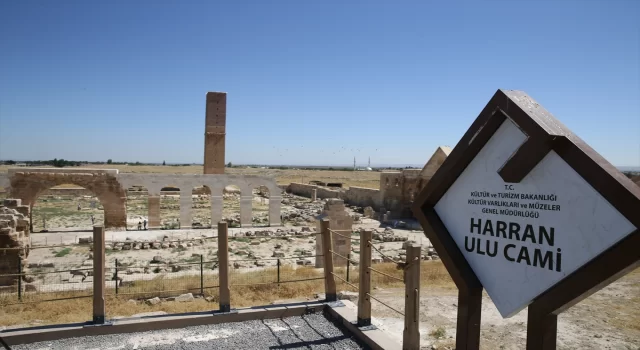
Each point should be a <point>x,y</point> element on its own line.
<point>14,239</point>
<point>339,221</point>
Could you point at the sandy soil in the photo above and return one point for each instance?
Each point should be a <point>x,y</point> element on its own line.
<point>606,320</point>
<point>369,179</point>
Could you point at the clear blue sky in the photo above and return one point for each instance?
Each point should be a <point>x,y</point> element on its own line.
<point>308,82</point>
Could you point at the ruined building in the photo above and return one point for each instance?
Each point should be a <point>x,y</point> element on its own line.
<point>397,192</point>
<point>398,189</point>
<point>14,240</point>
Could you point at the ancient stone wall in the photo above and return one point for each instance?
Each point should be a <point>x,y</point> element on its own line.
<point>29,183</point>
<point>363,197</point>
<point>398,190</point>
<point>360,196</point>
<point>14,239</point>
<point>341,222</point>
<point>216,184</point>
<point>67,192</point>
<point>109,186</point>
<point>305,190</point>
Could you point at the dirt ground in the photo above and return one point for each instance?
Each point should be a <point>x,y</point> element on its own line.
<point>369,179</point>
<point>609,319</point>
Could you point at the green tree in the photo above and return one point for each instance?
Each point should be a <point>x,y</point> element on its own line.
<point>109,161</point>
<point>164,163</point>
<point>229,165</point>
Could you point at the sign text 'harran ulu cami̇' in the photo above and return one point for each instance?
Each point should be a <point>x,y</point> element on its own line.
<point>526,210</point>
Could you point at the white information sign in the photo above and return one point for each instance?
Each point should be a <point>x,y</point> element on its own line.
<point>520,239</point>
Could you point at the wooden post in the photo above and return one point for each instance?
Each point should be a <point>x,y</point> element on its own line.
<point>541,330</point>
<point>116,277</point>
<point>469,312</point>
<point>329,279</point>
<point>364,288</point>
<point>201,275</point>
<point>98,275</point>
<point>411,335</point>
<point>223,267</point>
<point>20,279</point>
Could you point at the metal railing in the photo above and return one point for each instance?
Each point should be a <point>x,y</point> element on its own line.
<point>201,276</point>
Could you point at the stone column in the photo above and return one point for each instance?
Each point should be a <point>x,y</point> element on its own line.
<point>275,203</point>
<point>246,203</point>
<point>314,194</point>
<point>153,219</point>
<point>216,208</point>
<point>186,202</point>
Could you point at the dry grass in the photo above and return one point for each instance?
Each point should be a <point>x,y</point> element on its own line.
<point>627,317</point>
<point>433,274</point>
<point>369,179</point>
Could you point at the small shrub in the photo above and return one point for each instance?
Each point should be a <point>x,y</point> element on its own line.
<point>438,333</point>
<point>63,252</point>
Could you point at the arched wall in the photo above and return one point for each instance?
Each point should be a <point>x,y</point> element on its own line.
<point>217,183</point>
<point>109,186</point>
<point>28,185</point>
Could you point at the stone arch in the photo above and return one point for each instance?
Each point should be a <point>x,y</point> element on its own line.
<point>136,205</point>
<point>230,192</point>
<point>200,201</point>
<point>275,199</point>
<point>27,186</point>
<point>170,202</point>
<point>216,204</point>
<point>260,205</point>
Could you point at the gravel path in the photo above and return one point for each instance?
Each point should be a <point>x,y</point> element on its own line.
<point>306,332</point>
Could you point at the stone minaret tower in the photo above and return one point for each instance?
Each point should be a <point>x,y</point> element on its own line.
<point>214,135</point>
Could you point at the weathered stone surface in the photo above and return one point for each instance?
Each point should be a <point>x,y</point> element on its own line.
<point>157,260</point>
<point>12,202</point>
<point>28,183</point>
<point>14,233</point>
<point>369,212</point>
<point>339,221</point>
<point>347,295</point>
<point>85,240</point>
<point>215,124</point>
<point>152,301</point>
<point>185,297</point>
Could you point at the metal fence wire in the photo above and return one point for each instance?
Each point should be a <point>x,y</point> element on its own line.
<point>273,271</point>
<point>41,284</point>
<point>163,279</point>
<point>345,266</point>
